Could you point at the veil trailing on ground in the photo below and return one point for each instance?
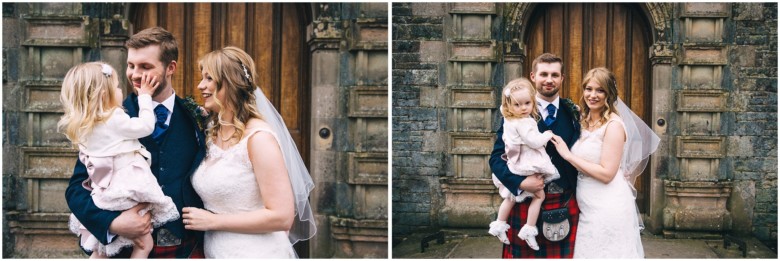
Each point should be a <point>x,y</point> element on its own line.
<point>641,141</point>
<point>303,227</point>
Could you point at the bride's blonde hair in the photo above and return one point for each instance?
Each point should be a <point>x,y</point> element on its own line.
<point>232,69</point>
<point>88,97</point>
<point>606,79</point>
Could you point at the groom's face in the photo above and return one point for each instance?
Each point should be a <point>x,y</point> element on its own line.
<point>547,78</point>
<point>146,60</point>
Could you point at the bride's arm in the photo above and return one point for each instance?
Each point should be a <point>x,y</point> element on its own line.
<point>611,153</point>
<point>275,189</point>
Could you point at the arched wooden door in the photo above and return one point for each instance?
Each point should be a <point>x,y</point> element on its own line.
<point>616,36</point>
<point>273,33</point>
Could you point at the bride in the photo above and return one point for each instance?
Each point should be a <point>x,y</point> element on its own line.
<point>613,149</point>
<point>253,182</point>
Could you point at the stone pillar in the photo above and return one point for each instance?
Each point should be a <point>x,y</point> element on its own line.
<point>52,38</point>
<point>697,194</point>
<point>470,199</point>
<point>350,122</point>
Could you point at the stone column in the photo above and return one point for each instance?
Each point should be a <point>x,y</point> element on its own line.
<point>469,194</point>
<point>350,121</point>
<point>52,38</point>
<point>697,194</point>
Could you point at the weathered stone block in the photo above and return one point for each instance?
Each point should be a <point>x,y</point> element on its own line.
<point>369,134</point>
<point>468,202</point>
<point>473,51</point>
<point>471,166</point>
<point>429,9</point>
<point>702,77</point>
<point>703,55</point>
<point>472,27</point>
<point>368,168</point>
<point>699,169</point>
<point>700,123</point>
<point>370,67</point>
<point>365,101</point>
<point>470,73</point>
<point>696,206</point>
<point>359,238</point>
<point>700,147</point>
<point>487,8</point>
<point>749,11</point>
<point>430,51</point>
<point>370,201</point>
<point>62,31</point>
<point>705,10</point>
<point>701,101</point>
<point>471,143</point>
<point>706,30</point>
<point>478,120</point>
<point>475,97</point>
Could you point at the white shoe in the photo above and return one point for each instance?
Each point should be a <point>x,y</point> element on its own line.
<point>528,233</point>
<point>498,229</point>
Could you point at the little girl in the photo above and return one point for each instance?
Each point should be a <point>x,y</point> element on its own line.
<point>525,156</point>
<point>117,163</point>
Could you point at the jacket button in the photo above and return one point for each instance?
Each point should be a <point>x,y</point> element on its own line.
<point>162,169</point>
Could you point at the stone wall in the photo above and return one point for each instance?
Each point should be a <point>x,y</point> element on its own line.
<point>418,120</point>
<point>752,138</point>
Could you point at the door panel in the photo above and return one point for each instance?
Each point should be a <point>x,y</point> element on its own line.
<point>272,33</point>
<point>586,36</point>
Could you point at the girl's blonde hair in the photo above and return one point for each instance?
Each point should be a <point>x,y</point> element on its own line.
<point>506,98</point>
<point>606,79</point>
<point>233,69</point>
<point>88,97</point>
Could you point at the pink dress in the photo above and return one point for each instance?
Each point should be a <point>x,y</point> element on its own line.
<point>525,154</point>
<point>119,174</point>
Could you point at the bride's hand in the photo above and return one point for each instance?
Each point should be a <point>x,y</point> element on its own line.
<point>560,145</point>
<point>198,219</point>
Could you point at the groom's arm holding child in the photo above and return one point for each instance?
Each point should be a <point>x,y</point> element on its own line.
<point>500,168</point>
<point>101,222</point>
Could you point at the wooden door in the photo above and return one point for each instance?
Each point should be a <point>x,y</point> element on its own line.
<point>586,36</point>
<point>272,33</point>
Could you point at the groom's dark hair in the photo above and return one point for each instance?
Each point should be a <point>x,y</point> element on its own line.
<point>169,48</point>
<point>546,58</point>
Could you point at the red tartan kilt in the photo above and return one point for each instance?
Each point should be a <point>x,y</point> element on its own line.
<point>518,248</point>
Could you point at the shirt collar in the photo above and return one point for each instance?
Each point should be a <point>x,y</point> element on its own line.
<point>543,104</point>
<point>168,103</point>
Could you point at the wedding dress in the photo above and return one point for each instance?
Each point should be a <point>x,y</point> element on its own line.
<point>608,223</point>
<point>227,184</point>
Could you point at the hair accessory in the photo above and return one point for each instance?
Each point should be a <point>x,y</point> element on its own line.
<point>246,72</point>
<point>507,92</point>
<point>107,71</point>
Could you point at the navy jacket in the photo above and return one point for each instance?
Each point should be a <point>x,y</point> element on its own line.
<point>173,163</point>
<point>564,126</point>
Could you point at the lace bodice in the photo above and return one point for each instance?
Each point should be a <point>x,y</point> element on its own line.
<point>226,182</point>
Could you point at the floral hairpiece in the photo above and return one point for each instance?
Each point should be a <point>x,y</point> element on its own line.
<point>507,92</point>
<point>107,71</point>
<point>246,72</point>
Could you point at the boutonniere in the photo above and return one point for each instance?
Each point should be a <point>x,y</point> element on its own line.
<point>573,108</point>
<point>196,111</point>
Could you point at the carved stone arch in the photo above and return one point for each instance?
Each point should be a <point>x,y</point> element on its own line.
<point>517,15</point>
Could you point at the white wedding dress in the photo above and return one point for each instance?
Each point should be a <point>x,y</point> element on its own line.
<point>226,183</point>
<point>608,223</point>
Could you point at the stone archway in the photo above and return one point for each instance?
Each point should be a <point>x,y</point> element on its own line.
<point>659,15</point>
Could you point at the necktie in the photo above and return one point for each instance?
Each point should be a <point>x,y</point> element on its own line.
<point>550,115</point>
<point>159,128</point>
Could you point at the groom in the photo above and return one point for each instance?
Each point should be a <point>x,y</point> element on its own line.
<point>177,150</point>
<point>557,115</point>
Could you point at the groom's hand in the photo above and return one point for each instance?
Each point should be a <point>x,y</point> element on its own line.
<point>130,224</point>
<point>532,183</point>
